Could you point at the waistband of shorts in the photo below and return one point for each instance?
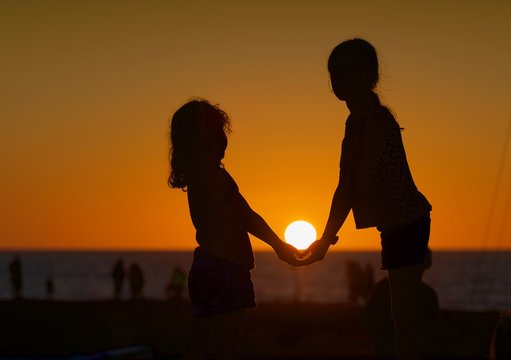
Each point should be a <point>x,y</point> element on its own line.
<point>425,217</point>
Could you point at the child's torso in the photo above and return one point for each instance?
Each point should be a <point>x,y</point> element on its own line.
<point>220,229</point>
<point>387,196</point>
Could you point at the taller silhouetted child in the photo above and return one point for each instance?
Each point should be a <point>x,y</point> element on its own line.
<point>375,183</point>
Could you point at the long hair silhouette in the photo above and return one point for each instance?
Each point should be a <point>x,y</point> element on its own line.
<point>185,132</point>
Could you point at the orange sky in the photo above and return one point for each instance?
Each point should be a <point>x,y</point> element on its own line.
<point>88,88</point>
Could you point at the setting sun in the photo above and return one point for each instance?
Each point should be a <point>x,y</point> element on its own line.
<point>300,234</point>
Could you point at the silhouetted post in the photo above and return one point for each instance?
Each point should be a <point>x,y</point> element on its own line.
<point>50,288</point>
<point>297,285</point>
<point>136,281</point>
<point>369,281</point>
<point>118,277</point>
<point>15,271</point>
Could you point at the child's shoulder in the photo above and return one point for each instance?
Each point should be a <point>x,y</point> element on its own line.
<point>382,117</point>
<point>383,113</point>
<point>212,177</point>
<point>228,178</point>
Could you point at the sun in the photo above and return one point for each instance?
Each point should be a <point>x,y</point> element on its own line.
<point>300,234</point>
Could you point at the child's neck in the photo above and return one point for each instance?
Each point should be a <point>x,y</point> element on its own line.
<point>363,102</point>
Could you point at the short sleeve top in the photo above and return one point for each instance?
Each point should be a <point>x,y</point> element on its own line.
<point>374,167</point>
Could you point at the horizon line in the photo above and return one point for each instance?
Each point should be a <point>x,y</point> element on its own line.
<point>166,250</point>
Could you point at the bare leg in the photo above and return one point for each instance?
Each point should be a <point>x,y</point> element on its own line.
<point>229,326</point>
<point>406,311</point>
<point>202,341</point>
<point>217,334</point>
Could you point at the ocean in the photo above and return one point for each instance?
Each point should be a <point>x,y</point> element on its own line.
<point>472,281</point>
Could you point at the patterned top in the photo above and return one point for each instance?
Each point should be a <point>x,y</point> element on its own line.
<point>374,167</point>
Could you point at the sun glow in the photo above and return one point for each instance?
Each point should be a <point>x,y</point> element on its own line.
<point>300,234</point>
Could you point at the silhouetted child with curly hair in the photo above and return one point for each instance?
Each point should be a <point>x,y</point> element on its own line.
<point>219,283</point>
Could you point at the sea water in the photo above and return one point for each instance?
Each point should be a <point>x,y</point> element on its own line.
<point>462,280</point>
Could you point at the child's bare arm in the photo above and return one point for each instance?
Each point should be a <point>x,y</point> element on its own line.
<point>258,227</point>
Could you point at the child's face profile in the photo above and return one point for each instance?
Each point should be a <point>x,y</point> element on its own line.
<point>348,77</point>
<point>349,81</point>
<point>340,85</point>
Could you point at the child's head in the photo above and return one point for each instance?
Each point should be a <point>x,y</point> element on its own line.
<point>353,68</point>
<point>198,132</point>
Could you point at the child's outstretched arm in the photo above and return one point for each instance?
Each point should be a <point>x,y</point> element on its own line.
<point>339,210</point>
<point>351,181</point>
<point>258,227</point>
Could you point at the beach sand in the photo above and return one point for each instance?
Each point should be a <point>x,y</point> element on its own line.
<point>272,330</point>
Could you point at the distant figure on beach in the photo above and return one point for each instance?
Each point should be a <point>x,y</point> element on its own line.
<point>50,288</point>
<point>219,283</point>
<point>375,183</point>
<point>15,272</point>
<point>137,282</point>
<point>176,285</point>
<point>380,322</point>
<point>118,278</point>
<point>360,281</point>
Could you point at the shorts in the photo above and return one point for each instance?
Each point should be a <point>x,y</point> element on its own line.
<point>219,286</point>
<point>406,245</point>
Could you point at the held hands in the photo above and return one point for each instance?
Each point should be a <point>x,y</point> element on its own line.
<point>288,253</point>
<point>315,252</point>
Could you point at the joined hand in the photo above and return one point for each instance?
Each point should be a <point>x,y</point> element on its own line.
<point>315,252</point>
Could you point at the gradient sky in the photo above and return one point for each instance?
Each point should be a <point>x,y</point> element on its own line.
<point>88,88</point>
